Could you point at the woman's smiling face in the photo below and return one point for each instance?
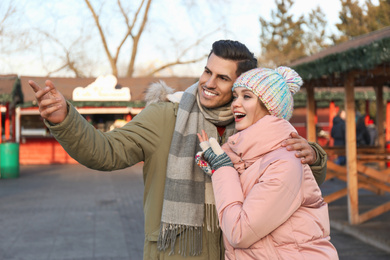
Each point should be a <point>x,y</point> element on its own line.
<point>247,108</point>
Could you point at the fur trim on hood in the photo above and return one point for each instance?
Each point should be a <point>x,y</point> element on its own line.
<point>161,92</point>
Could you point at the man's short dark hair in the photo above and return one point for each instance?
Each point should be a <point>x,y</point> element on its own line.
<point>235,51</point>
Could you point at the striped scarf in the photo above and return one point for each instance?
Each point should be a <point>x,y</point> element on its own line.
<point>188,191</point>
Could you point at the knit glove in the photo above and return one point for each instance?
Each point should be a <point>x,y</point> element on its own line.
<point>204,165</point>
<point>213,157</point>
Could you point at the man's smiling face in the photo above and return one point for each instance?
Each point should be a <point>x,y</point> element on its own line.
<point>216,82</point>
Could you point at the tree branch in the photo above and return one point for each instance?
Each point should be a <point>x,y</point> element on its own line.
<point>177,62</point>
<point>136,38</point>
<point>103,38</point>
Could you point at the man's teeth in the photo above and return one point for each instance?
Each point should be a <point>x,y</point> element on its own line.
<point>209,93</point>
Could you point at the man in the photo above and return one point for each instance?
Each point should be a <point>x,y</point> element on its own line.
<point>338,134</point>
<point>178,201</point>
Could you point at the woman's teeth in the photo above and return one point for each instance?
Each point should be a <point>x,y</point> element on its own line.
<point>239,115</point>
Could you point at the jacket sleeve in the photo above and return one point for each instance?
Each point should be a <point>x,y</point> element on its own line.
<point>271,201</point>
<point>112,150</point>
<point>319,166</point>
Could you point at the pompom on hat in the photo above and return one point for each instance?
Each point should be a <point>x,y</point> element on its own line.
<point>275,88</point>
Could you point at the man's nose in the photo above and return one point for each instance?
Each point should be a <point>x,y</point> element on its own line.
<point>211,83</point>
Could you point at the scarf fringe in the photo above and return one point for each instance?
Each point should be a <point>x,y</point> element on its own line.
<point>211,216</point>
<point>188,235</point>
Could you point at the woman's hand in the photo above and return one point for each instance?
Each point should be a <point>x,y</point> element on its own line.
<point>212,156</point>
<point>203,137</point>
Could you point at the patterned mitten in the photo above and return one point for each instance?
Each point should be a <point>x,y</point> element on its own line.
<point>204,165</point>
<point>214,155</point>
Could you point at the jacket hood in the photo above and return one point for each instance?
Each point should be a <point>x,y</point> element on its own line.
<point>161,92</point>
<point>157,92</point>
<point>264,136</point>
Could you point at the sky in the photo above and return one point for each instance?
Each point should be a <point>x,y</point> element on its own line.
<point>172,27</point>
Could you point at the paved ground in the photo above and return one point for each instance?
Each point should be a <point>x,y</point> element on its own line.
<point>63,212</point>
<point>369,240</point>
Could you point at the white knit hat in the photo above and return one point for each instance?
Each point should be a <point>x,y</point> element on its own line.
<point>275,88</point>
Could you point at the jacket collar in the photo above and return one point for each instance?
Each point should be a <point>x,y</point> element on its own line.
<point>264,136</point>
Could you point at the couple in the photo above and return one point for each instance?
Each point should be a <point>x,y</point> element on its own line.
<point>180,217</point>
<point>269,204</point>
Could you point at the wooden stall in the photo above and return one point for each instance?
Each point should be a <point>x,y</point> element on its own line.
<point>10,96</point>
<point>361,62</point>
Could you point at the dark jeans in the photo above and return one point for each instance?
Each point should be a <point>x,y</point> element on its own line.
<point>341,160</point>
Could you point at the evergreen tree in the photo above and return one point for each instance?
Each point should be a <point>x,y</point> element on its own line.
<point>281,38</point>
<point>357,20</point>
<point>284,39</point>
<point>315,37</point>
<point>353,21</point>
<point>378,16</point>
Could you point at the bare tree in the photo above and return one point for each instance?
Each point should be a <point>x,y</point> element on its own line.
<point>10,10</point>
<point>130,24</point>
<point>135,27</point>
<point>179,60</point>
<point>105,36</point>
<point>12,38</point>
<point>69,59</point>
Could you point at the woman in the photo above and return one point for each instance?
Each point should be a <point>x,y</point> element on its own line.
<point>269,204</point>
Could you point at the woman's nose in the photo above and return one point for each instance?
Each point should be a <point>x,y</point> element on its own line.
<point>236,102</point>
